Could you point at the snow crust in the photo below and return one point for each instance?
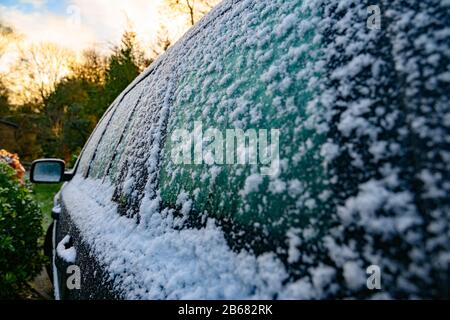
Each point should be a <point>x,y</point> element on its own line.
<point>69,255</point>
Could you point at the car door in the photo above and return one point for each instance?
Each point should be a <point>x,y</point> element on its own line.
<point>66,237</point>
<point>71,255</point>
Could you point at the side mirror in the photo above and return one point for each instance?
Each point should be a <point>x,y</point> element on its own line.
<point>48,171</point>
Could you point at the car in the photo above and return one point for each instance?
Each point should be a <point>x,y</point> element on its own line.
<point>282,149</point>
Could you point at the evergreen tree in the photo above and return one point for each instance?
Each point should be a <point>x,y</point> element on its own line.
<point>125,64</point>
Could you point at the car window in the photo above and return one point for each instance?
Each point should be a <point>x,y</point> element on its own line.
<point>110,140</point>
<point>250,74</point>
<point>91,145</point>
<point>134,166</point>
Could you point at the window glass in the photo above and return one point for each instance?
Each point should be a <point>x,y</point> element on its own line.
<point>115,127</point>
<point>89,149</point>
<point>134,166</point>
<point>251,73</point>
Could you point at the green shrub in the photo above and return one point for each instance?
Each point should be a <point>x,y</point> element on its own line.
<point>20,233</point>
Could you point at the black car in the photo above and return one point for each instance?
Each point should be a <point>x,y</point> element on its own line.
<point>282,149</point>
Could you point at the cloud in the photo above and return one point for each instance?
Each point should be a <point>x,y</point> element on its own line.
<point>34,3</point>
<point>99,24</point>
<point>44,26</point>
<point>94,23</point>
<point>109,18</point>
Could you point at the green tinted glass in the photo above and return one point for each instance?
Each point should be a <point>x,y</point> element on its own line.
<point>251,76</point>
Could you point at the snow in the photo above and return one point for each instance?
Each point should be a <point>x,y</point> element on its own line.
<point>277,186</point>
<point>288,22</point>
<point>56,210</point>
<point>69,255</point>
<point>164,262</point>
<point>322,276</point>
<point>186,204</point>
<point>294,241</point>
<point>252,184</point>
<point>329,151</point>
<point>364,162</point>
<point>354,275</point>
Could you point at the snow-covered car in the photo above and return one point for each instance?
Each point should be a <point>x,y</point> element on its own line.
<point>341,188</point>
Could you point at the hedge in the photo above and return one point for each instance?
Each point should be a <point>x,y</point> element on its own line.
<point>20,234</point>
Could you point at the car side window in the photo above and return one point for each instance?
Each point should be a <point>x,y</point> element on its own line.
<point>254,77</point>
<point>118,123</point>
<point>91,145</point>
<point>134,168</point>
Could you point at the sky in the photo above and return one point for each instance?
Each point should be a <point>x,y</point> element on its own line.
<point>81,24</point>
<point>78,25</point>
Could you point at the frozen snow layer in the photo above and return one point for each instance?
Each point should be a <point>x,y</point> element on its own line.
<point>69,255</point>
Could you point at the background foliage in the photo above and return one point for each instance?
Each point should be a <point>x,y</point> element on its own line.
<point>20,233</point>
<point>56,97</point>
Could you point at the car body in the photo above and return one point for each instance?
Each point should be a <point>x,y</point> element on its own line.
<point>355,191</point>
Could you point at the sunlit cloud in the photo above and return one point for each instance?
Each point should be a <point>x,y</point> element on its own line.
<point>107,19</point>
<point>45,26</point>
<point>93,23</point>
<point>77,25</point>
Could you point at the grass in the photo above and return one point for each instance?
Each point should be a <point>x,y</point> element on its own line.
<point>44,193</point>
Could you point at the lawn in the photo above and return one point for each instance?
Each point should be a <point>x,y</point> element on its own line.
<point>44,193</point>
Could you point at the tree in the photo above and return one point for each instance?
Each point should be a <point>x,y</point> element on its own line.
<point>4,106</point>
<point>73,109</point>
<point>37,72</point>
<point>195,9</point>
<point>29,122</point>
<point>5,33</point>
<point>162,43</point>
<point>58,100</point>
<point>7,37</point>
<point>125,64</point>
<point>92,67</point>
<point>65,120</point>
<point>92,72</point>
